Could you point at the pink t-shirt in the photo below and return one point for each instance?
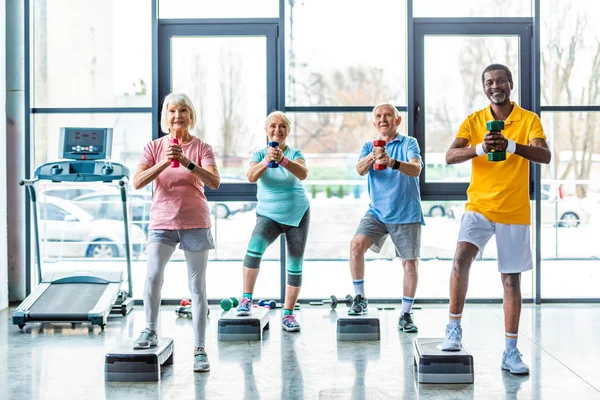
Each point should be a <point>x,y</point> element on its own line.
<point>178,201</point>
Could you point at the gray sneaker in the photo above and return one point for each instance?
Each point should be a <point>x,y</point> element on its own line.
<point>406,324</point>
<point>453,339</point>
<point>201,363</point>
<point>512,362</point>
<point>146,340</point>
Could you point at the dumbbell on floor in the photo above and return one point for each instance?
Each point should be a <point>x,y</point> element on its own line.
<point>267,303</point>
<point>186,311</point>
<point>333,301</point>
<point>228,304</point>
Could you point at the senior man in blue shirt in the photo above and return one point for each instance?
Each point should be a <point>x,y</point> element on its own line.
<point>395,209</point>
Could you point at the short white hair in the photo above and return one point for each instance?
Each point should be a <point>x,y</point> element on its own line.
<point>176,99</point>
<point>281,115</point>
<point>396,112</point>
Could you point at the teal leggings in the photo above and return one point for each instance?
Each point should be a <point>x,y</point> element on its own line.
<point>266,231</point>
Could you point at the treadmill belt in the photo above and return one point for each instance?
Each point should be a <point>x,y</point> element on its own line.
<point>67,299</point>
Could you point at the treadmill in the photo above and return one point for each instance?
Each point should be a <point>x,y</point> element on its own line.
<point>79,296</point>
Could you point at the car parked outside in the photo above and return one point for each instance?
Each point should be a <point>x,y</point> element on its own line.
<point>67,230</point>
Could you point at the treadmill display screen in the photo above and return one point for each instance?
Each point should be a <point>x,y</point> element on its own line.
<point>86,143</point>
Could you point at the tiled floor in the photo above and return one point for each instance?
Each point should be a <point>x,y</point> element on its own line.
<point>560,344</point>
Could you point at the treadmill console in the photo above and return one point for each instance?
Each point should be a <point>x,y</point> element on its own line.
<point>87,151</point>
<point>85,143</point>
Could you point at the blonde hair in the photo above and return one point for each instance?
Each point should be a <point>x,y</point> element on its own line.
<point>177,99</point>
<point>396,112</point>
<point>281,115</point>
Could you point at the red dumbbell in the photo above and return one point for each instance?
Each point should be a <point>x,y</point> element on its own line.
<point>185,302</point>
<point>174,163</point>
<point>379,167</point>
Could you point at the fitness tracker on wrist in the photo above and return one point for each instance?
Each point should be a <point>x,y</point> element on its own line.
<point>396,164</point>
<point>191,166</point>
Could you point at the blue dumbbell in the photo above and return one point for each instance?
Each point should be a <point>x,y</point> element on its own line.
<point>267,303</point>
<point>273,164</point>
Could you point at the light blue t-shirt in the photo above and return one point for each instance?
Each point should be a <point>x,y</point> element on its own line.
<point>395,197</point>
<point>280,194</point>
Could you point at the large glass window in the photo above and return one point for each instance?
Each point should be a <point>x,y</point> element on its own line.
<point>349,53</point>
<point>570,53</point>
<point>470,8</point>
<point>571,204</point>
<point>226,79</point>
<point>218,9</point>
<point>453,90</point>
<point>92,53</point>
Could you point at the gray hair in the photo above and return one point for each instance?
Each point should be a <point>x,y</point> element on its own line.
<point>396,112</point>
<point>281,115</point>
<point>177,99</point>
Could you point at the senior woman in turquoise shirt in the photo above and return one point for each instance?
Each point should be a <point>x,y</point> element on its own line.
<point>282,208</point>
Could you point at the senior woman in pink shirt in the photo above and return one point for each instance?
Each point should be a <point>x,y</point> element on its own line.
<point>179,214</point>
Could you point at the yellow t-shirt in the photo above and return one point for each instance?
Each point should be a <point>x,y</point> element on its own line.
<point>500,190</point>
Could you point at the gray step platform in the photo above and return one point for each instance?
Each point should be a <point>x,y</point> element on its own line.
<point>437,366</point>
<point>359,327</point>
<point>234,328</point>
<point>124,364</point>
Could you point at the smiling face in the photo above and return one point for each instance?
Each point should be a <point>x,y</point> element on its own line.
<point>178,117</point>
<point>277,130</point>
<point>497,86</point>
<point>385,120</point>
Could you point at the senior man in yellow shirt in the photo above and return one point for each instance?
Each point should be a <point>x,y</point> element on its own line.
<point>498,204</point>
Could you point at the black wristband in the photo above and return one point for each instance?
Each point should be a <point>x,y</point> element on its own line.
<point>191,166</point>
<point>396,164</point>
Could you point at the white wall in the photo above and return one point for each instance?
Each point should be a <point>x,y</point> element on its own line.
<point>3,194</point>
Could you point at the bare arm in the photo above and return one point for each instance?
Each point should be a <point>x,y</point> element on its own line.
<point>410,168</point>
<point>459,152</point>
<point>537,151</point>
<point>255,171</point>
<point>364,164</point>
<point>209,175</point>
<point>298,168</point>
<point>146,174</point>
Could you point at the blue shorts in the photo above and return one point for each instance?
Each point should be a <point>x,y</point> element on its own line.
<point>199,239</point>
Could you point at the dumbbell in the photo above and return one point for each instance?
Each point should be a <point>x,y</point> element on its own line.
<point>495,127</point>
<point>379,167</point>
<point>186,311</point>
<point>273,164</point>
<point>185,302</point>
<point>228,304</point>
<point>267,303</point>
<point>174,163</point>
<point>333,301</point>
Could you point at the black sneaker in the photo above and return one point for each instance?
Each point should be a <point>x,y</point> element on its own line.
<point>359,306</point>
<point>405,323</point>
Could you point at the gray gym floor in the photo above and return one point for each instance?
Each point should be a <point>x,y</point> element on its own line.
<point>559,342</point>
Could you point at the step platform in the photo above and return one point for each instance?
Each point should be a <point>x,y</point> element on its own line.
<point>437,366</point>
<point>234,328</point>
<point>359,327</point>
<point>124,364</point>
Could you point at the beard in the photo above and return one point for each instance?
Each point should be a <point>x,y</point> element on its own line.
<point>499,98</point>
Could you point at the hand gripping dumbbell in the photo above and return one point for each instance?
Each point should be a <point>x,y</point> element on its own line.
<point>228,304</point>
<point>379,167</point>
<point>333,301</point>
<point>273,164</point>
<point>267,303</point>
<point>495,127</point>
<point>175,163</point>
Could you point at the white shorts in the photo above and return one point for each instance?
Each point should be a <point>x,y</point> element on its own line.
<point>512,241</point>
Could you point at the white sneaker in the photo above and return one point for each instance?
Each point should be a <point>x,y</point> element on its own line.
<point>512,362</point>
<point>453,339</point>
<point>147,339</point>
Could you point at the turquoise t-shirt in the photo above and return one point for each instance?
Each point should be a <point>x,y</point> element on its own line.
<point>280,194</point>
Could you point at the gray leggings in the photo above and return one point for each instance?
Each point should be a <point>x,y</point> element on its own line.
<point>158,256</point>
